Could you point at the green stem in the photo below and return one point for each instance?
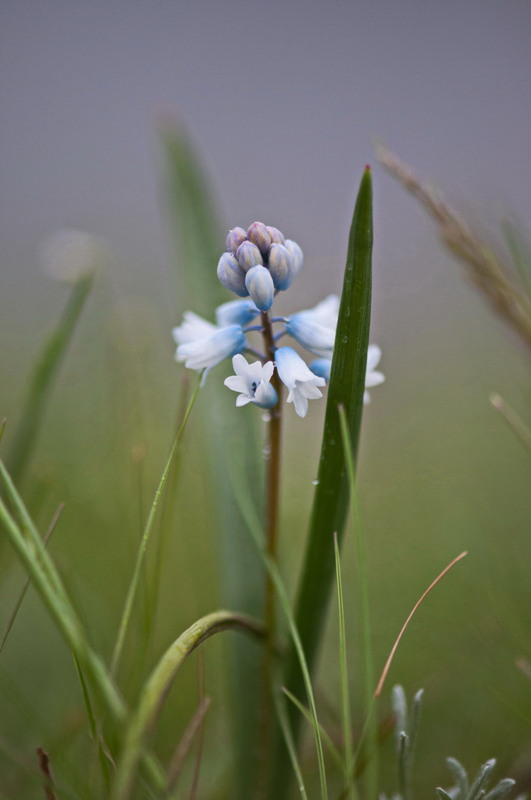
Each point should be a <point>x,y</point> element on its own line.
<point>271,531</point>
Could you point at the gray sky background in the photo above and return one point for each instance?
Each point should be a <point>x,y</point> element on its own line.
<point>284,101</point>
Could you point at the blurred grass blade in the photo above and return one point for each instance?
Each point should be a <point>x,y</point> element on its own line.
<point>330,507</point>
<point>157,686</point>
<point>133,586</point>
<point>26,584</point>
<point>199,244</point>
<point>343,676</point>
<point>327,739</point>
<point>42,379</point>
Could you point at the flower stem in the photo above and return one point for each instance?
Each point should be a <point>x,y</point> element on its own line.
<point>271,530</point>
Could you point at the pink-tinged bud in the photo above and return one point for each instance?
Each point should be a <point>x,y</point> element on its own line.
<point>260,286</point>
<point>258,234</point>
<point>296,255</point>
<point>281,266</point>
<point>248,255</point>
<point>231,275</point>
<point>234,239</point>
<point>277,237</point>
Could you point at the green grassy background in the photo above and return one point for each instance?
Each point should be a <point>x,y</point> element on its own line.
<point>439,472</point>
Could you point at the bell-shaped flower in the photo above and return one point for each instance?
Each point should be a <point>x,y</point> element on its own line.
<point>322,367</point>
<point>315,328</point>
<point>260,286</point>
<point>193,328</point>
<point>372,376</point>
<point>236,312</point>
<point>252,383</point>
<point>301,382</point>
<point>202,345</point>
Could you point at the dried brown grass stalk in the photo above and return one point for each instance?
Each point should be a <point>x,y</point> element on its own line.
<point>486,270</point>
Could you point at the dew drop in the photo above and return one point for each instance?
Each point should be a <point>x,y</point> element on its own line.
<point>315,482</point>
<point>344,339</point>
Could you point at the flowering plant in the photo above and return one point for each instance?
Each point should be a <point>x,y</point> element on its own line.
<point>258,263</point>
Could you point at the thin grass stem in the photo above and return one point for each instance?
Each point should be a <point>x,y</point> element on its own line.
<point>133,586</point>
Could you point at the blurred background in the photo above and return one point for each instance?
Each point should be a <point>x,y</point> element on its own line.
<point>284,102</point>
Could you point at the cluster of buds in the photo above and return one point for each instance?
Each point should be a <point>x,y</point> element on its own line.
<point>258,262</point>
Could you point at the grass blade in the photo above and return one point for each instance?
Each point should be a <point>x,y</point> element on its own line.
<point>330,507</point>
<point>290,744</point>
<point>133,586</point>
<point>157,686</point>
<point>199,243</point>
<point>42,380</point>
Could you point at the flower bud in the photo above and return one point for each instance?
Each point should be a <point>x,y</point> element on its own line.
<point>234,239</point>
<point>260,286</point>
<point>248,255</point>
<point>281,266</point>
<point>258,234</point>
<point>277,237</point>
<point>231,275</point>
<point>296,255</point>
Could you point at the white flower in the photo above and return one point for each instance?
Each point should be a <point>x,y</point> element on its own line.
<point>372,376</point>
<point>193,328</point>
<point>252,381</point>
<point>301,382</point>
<point>202,345</point>
<point>315,328</point>
<point>70,256</point>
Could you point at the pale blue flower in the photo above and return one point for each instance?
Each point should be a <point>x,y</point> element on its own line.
<point>322,367</point>
<point>301,382</point>
<point>315,328</point>
<point>202,345</point>
<point>236,312</point>
<point>252,382</point>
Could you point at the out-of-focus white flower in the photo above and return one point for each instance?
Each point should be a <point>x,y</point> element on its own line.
<point>372,376</point>
<point>252,382</point>
<point>315,328</point>
<point>193,328</point>
<point>69,255</point>
<point>301,382</point>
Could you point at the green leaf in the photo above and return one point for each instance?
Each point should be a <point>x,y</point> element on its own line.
<point>199,245</point>
<point>331,501</point>
<point>158,684</point>
<point>43,377</point>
